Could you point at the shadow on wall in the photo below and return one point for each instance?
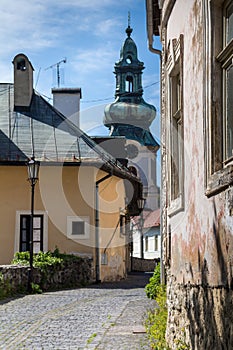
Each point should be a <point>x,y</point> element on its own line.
<point>210,309</point>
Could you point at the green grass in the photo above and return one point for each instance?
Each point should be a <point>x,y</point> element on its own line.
<point>91,338</point>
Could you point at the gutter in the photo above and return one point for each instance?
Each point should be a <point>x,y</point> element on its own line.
<point>149,12</point>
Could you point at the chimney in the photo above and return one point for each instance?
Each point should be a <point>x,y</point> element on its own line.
<point>23,82</point>
<point>67,101</point>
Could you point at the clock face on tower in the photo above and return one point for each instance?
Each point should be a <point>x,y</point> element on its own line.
<point>132,151</point>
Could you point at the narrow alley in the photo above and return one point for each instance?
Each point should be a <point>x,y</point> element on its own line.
<point>104,316</point>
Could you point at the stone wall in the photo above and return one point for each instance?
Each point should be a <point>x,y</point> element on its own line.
<point>199,316</point>
<point>144,265</point>
<point>71,274</point>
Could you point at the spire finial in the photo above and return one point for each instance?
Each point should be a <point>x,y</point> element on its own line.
<point>128,18</point>
<point>129,29</point>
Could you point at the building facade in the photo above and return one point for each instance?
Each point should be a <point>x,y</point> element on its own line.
<point>197,170</point>
<point>146,227</point>
<point>80,196</point>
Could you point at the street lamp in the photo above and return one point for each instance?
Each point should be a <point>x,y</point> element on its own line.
<point>141,203</point>
<point>33,172</point>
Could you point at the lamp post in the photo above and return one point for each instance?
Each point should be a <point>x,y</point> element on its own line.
<point>141,203</point>
<point>33,172</point>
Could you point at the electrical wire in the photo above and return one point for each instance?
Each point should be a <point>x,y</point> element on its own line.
<point>107,98</point>
<point>125,94</point>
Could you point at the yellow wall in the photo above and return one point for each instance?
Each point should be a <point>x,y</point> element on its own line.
<point>112,201</point>
<point>61,192</point>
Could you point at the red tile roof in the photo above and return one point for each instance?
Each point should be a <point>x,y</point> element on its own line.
<point>151,218</point>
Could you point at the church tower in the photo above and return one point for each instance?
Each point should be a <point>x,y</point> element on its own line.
<point>130,116</point>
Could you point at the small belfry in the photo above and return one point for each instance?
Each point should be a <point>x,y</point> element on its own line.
<point>129,108</point>
<point>130,116</point>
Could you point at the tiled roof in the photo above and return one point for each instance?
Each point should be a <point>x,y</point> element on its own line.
<point>151,218</point>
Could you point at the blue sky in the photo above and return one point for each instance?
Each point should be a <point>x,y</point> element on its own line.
<point>89,34</point>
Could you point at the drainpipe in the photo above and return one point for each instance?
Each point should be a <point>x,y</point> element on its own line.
<point>149,8</point>
<point>97,249</point>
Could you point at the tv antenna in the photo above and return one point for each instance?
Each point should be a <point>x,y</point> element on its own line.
<point>58,70</point>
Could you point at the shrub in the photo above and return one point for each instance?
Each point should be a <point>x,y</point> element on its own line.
<point>47,262</point>
<point>153,286</point>
<point>36,288</point>
<point>157,321</point>
<point>43,259</point>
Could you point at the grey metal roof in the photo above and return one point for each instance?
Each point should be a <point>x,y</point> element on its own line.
<point>42,132</point>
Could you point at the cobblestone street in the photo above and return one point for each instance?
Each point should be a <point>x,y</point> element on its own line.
<point>104,316</point>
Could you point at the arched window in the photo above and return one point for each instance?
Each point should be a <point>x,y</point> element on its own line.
<point>21,64</point>
<point>129,84</point>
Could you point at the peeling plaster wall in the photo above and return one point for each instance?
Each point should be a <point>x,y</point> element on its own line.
<point>197,241</point>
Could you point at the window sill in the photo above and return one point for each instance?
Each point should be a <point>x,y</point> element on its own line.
<point>220,181</point>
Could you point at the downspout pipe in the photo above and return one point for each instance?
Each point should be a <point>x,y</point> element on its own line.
<point>149,8</point>
<point>97,220</point>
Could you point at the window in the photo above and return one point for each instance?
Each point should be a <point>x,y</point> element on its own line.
<point>174,69</point>
<point>25,221</point>
<point>146,243</point>
<point>225,58</point>
<point>176,134</point>
<point>218,56</point>
<point>78,227</point>
<point>129,59</point>
<point>22,231</point>
<point>156,243</point>
<point>122,225</point>
<point>21,64</point>
<point>129,83</point>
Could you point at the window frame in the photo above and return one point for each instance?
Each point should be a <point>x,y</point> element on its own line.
<point>146,243</point>
<point>27,217</point>
<point>174,70</point>
<point>20,213</point>
<point>85,220</point>
<point>123,225</point>
<point>218,171</point>
<point>156,243</point>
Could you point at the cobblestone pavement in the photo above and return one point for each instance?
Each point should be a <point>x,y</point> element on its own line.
<point>103,317</point>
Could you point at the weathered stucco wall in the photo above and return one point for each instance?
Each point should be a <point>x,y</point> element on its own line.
<point>198,240</point>
<point>202,233</point>
<point>62,192</point>
<point>56,195</point>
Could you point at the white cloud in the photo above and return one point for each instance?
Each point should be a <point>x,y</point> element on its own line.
<point>96,5</point>
<point>42,24</point>
<point>96,59</point>
<point>23,26</point>
<point>107,27</point>
<point>88,33</point>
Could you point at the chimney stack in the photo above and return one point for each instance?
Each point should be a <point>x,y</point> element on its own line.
<point>23,82</point>
<point>67,101</point>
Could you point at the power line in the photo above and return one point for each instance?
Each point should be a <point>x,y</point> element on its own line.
<point>125,94</point>
<point>107,98</point>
